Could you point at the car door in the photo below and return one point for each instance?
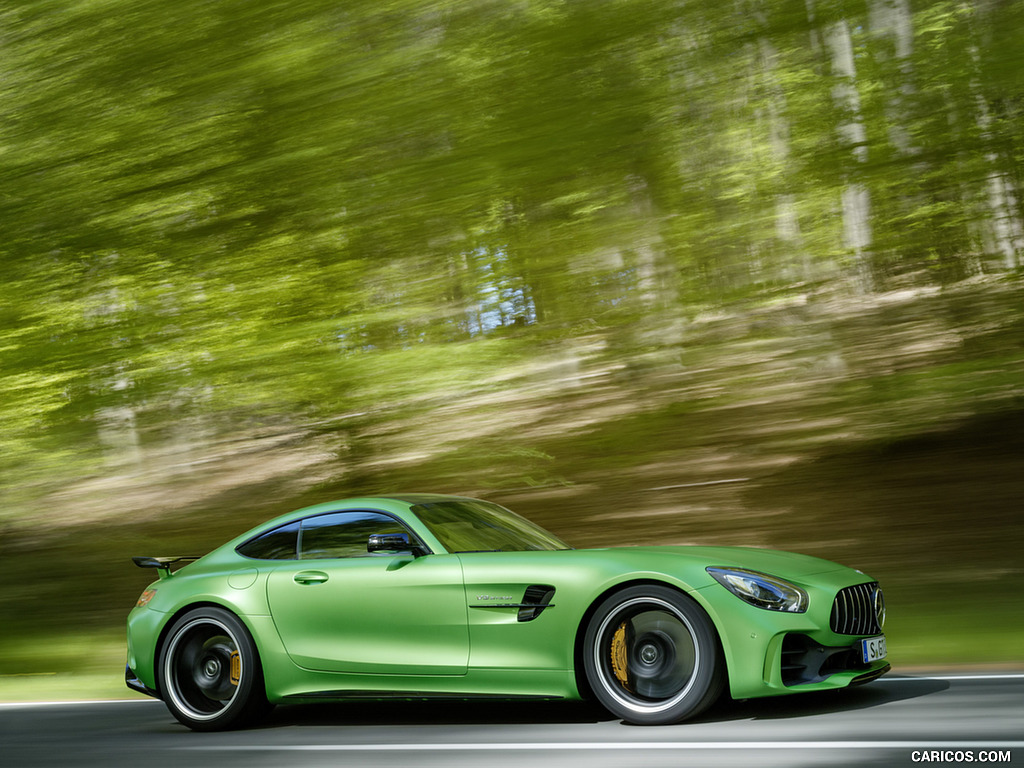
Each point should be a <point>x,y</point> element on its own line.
<point>521,614</point>
<point>339,608</point>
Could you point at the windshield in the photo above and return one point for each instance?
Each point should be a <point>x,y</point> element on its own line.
<point>479,526</point>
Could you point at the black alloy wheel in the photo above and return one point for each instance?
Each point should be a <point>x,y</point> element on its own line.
<point>209,671</point>
<point>652,656</point>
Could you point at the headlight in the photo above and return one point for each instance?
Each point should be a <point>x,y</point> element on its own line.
<point>761,590</point>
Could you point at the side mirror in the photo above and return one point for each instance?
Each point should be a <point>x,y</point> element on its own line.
<point>393,542</point>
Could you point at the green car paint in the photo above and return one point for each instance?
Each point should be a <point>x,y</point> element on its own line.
<point>429,621</point>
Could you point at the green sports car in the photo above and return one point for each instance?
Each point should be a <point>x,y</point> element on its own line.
<point>420,596</point>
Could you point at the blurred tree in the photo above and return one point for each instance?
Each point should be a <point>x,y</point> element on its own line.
<point>221,214</point>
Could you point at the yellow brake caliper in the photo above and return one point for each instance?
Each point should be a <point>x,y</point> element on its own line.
<point>236,667</point>
<point>619,654</point>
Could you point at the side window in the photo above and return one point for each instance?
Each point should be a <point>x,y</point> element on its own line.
<point>279,544</point>
<point>343,534</point>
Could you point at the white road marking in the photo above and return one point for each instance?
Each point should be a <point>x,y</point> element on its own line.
<point>17,704</point>
<point>897,678</point>
<point>621,745</point>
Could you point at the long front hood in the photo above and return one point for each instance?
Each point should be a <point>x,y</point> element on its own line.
<point>774,562</point>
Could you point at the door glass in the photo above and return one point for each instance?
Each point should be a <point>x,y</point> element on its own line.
<point>278,544</point>
<point>343,534</point>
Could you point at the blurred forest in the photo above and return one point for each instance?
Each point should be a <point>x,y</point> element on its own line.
<point>743,272</point>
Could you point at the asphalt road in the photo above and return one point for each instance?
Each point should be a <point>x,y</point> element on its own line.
<point>893,721</point>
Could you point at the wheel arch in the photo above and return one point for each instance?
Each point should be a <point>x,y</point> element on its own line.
<point>579,673</point>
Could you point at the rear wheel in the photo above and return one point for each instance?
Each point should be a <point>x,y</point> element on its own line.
<point>652,656</point>
<point>209,671</point>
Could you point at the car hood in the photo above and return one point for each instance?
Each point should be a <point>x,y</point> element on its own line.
<point>770,561</point>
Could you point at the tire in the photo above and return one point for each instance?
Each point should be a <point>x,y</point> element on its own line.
<point>209,672</point>
<point>652,656</point>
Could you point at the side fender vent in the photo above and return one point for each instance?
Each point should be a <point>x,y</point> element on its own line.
<point>536,598</point>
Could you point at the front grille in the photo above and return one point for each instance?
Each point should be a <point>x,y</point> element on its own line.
<point>853,611</point>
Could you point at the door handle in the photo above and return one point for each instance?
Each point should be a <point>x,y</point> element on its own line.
<point>310,577</point>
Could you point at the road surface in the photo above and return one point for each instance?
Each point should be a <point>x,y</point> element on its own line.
<point>898,720</point>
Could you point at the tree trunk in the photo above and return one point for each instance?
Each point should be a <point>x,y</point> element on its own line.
<point>856,197</point>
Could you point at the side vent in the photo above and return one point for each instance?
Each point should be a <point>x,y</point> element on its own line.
<point>535,600</point>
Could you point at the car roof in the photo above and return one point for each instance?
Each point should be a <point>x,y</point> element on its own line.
<point>385,502</point>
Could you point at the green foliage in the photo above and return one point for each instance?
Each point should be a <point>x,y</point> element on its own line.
<point>220,212</point>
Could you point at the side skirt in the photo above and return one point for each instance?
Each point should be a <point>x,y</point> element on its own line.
<point>414,696</point>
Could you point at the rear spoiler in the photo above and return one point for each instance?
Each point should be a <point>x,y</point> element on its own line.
<point>163,563</point>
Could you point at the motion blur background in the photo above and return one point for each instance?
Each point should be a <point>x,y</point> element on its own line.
<point>644,271</point>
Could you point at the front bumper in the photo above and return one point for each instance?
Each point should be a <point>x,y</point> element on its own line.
<point>803,661</point>
<point>770,652</point>
<point>873,674</point>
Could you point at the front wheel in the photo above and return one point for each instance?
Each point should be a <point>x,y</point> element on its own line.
<point>210,675</point>
<point>652,656</point>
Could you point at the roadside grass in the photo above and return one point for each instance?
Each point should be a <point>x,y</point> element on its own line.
<point>78,665</point>
<point>970,631</point>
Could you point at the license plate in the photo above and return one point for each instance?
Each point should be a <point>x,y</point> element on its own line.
<point>873,648</point>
